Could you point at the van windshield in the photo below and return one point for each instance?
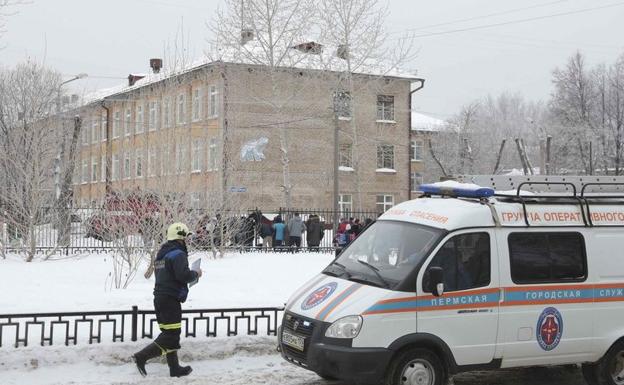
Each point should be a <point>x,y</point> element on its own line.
<point>385,253</point>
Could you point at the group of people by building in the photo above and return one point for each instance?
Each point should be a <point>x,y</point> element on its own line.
<point>281,234</point>
<point>349,229</point>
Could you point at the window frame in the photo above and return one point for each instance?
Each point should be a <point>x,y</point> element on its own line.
<point>383,147</point>
<point>414,145</point>
<point>212,155</point>
<point>550,280</point>
<point>415,175</point>
<point>343,104</point>
<point>140,119</point>
<point>213,101</point>
<point>345,153</point>
<point>181,109</point>
<point>343,203</point>
<point>138,163</point>
<point>197,148</point>
<point>128,121</point>
<point>385,202</point>
<point>196,110</point>
<point>384,107</point>
<point>439,247</point>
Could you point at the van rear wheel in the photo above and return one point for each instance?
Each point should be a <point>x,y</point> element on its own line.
<point>416,367</point>
<point>611,367</point>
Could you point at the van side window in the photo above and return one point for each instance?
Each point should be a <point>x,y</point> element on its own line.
<point>465,260</point>
<point>547,257</point>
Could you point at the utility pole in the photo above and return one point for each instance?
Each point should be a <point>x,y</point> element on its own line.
<point>336,175</point>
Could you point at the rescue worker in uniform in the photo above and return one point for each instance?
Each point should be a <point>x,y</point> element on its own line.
<point>170,291</point>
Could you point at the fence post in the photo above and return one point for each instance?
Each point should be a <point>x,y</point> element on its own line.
<point>135,319</point>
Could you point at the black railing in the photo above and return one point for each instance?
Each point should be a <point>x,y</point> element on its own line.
<point>92,327</point>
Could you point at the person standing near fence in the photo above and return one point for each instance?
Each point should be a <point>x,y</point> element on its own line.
<point>296,227</point>
<point>315,232</point>
<point>279,228</point>
<point>170,291</point>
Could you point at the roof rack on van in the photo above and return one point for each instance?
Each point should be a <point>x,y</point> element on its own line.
<point>549,189</point>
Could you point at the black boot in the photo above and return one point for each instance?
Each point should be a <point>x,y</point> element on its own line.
<point>140,359</point>
<point>175,370</point>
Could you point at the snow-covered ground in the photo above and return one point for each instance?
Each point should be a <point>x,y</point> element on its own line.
<point>238,280</point>
<point>84,283</point>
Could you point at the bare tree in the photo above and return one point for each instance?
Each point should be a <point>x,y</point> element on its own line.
<point>29,141</point>
<point>573,102</point>
<point>355,29</point>
<point>263,32</point>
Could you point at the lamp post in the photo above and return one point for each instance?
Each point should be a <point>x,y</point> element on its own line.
<point>57,161</point>
<point>62,191</point>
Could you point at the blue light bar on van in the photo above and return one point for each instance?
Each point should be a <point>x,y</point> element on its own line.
<point>457,191</point>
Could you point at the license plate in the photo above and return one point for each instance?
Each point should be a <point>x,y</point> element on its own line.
<point>293,340</point>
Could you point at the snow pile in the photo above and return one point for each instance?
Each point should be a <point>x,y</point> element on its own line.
<point>231,360</point>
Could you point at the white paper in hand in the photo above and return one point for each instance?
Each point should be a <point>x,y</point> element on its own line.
<point>195,267</point>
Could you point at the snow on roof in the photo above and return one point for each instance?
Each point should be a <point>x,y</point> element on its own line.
<point>422,122</point>
<point>252,54</point>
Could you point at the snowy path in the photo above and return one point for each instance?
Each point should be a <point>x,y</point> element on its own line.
<point>234,361</point>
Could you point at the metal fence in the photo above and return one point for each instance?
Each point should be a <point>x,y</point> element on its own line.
<point>81,241</point>
<point>94,327</point>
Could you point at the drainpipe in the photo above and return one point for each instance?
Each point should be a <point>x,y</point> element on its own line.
<point>409,136</point>
<point>109,151</point>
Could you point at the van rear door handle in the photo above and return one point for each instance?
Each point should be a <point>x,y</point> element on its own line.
<point>501,295</point>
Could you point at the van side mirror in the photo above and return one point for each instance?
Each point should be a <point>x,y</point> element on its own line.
<point>436,281</point>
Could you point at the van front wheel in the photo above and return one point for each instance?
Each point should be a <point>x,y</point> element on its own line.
<point>416,367</point>
<point>611,367</point>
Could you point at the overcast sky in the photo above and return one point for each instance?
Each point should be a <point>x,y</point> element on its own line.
<point>109,39</point>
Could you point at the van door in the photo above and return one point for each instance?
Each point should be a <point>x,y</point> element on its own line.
<point>546,312</point>
<point>465,317</point>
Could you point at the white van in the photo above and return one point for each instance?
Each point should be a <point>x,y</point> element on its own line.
<point>461,280</point>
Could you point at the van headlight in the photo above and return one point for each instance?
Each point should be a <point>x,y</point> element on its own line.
<point>346,327</point>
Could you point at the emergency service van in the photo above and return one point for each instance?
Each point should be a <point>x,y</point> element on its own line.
<point>464,278</point>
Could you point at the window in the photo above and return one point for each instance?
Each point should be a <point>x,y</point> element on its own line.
<point>127,169</point>
<point>116,124</point>
<point>139,119</point>
<point>95,129</point>
<point>94,169</point>
<point>181,107</point>
<point>345,204</point>
<point>465,262</point>
<point>128,122</point>
<point>138,157</point>
<point>395,249</point>
<point>214,102</point>
<point>116,169</point>
<point>197,104</point>
<point>547,257</point>
<point>84,133</point>
<point>416,150</point>
<point>196,156</point>
<point>104,127</point>
<point>167,112</point>
<point>342,104</point>
<point>85,171</point>
<point>152,123</point>
<point>103,169</point>
<point>417,180</point>
<point>385,156</point>
<point>181,152</point>
<point>151,161</point>
<point>384,203</point>
<point>346,155</point>
<point>212,155</point>
<point>385,108</point>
